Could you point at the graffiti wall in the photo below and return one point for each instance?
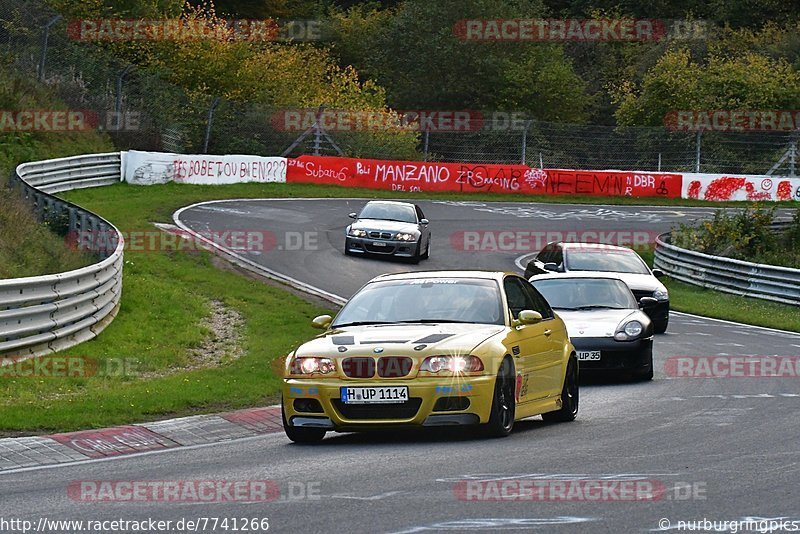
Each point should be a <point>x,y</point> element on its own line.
<point>720,187</point>
<point>146,168</point>
<point>418,176</point>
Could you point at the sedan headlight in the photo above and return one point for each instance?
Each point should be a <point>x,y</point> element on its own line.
<point>405,237</point>
<point>661,294</point>
<point>452,364</point>
<point>355,232</point>
<point>630,330</point>
<point>312,365</point>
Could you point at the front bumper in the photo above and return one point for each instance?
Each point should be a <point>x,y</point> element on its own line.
<point>316,403</point>
<point>633,355</point>
<point>380,247</point>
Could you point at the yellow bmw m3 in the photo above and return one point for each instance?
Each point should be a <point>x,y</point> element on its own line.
<point>427,349</point>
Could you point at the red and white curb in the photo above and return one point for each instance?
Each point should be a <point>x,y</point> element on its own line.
<point>16,453</point>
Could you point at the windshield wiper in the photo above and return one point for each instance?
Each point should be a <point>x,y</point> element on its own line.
<point>384,219</point>
<point>362,323</point>
<point>598,307</point>
<point>426,321</point>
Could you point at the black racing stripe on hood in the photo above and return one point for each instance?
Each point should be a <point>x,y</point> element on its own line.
<point>433,338</point>
<point>343,340</point>
<point>383,341</point>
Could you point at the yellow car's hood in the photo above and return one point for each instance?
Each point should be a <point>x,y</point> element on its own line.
<point>442,338</point>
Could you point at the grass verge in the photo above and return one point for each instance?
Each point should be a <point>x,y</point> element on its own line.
<point>167,296</point>
<point>28,248</point>
<point>709,303</point>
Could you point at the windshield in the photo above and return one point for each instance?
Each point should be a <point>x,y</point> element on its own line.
<point>585,293</point>
<point>386,211</point>
<point>427,300</point>
<point>605,260</point>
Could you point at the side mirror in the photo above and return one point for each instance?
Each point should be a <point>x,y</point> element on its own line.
<point>324,321</point>
<point>424,222</point>
<point>352,215</point>
<point>658,273</point>
<point>529,317</point>
<point>550,266</point>
<point>646,302</point>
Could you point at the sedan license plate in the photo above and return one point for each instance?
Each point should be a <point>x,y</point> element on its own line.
<point>584,355</point>
<point>374,395</point>
<point>378,244</point>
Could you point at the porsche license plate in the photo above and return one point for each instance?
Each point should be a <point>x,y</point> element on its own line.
<point>374,395</point>
<point>588,355</point>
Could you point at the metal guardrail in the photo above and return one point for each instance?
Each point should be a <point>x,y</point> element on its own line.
<point>768,282</point>
<point>44,314</point>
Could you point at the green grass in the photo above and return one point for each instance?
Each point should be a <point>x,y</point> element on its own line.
<point>165,297</point>
<point>28,248</point>
<point>709,303</point>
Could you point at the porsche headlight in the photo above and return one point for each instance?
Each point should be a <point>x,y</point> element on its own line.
<point>405,237</point>
<point>661,294</point>
<point>630,330</point>
<point>312,365</point>
<point>355,232</point>
<point>452,364</point>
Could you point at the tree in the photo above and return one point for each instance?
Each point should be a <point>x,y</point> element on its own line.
<point>678,82</point>
<point>415,52</point>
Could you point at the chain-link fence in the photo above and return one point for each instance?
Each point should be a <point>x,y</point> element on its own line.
<point>141,110</point>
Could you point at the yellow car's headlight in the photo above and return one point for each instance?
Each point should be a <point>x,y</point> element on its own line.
<point>452,364</point>
<point>312,365</point>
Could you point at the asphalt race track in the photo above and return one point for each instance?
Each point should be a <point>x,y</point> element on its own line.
<point>722,449</point>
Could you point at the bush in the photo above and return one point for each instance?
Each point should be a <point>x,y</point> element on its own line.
<point>744,235</point>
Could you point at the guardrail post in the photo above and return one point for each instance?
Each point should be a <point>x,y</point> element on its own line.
<point>698,140</point>
<point>209,122</point>
<point>45,38</point>
<point>118,102</point>
<point>525,141</point>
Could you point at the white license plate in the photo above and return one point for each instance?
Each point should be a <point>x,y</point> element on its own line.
<point>378,244</point>
<point>374,395</point>
<point>588,355</point>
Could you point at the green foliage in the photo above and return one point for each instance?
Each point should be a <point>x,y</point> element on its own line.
<point>744,235</point>
<point>678,82</point>
<point>414,53</point>
<point>737,13</point>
